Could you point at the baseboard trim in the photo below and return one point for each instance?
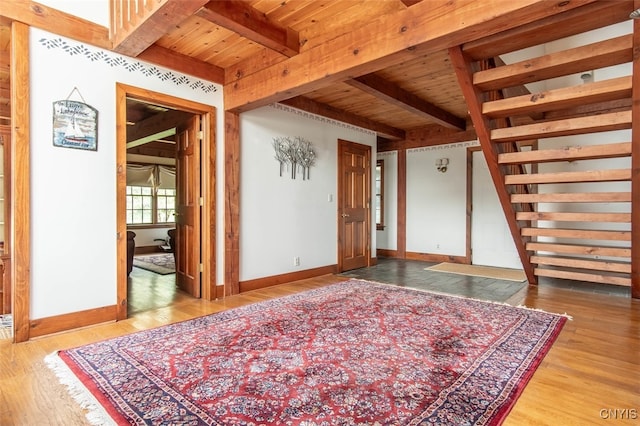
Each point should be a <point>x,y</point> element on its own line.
<point>64,322</point>
<point>425,257</point>
<point>285,278</point>
<point>387,253</point>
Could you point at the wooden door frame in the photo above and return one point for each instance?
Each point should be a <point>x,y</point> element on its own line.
<point>341,145</point>
<point>208,186</point>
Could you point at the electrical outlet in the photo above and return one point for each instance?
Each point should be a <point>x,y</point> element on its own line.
<point>296,261</point>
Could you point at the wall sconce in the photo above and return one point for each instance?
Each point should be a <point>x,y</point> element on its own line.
<point>441,164</point>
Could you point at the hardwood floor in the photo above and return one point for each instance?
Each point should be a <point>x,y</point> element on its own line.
<point>590,376</point>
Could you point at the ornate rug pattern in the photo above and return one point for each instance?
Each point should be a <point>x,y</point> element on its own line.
<point>351,353</point>
<point>163,263</point>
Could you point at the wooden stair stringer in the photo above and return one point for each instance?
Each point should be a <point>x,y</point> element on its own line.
<point>462,65</point>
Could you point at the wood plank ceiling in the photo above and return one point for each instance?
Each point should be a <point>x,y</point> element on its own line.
<point>226,41</point>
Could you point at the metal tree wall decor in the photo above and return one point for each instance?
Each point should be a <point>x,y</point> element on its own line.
<point>296,152</point>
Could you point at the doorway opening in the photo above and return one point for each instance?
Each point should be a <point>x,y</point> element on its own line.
<point>165,198</point>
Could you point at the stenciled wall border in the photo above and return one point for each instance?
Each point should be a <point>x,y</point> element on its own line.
<point>129,64</point>
<point>321,119</point>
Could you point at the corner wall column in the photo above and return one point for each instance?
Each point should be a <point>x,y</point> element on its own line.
<point>231,203</point>
<point>20,183</point>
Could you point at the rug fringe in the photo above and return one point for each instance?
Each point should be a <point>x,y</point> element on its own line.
<point>96,415</point>
<point>566,315</point>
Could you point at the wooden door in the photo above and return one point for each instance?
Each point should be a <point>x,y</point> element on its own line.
<point>187,247</point>
<point>354,197</point>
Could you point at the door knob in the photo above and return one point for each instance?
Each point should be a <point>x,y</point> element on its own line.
<point>345,215</point>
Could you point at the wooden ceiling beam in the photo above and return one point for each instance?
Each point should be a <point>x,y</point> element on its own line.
<point>57,22</point>
<point>328,111</point>
<point>182,63</point>
<point>239,17</point>
<point>156,124</point>
<point>431,135</point>
<point>422,28</point>
<point>395,95</point>
<point>132,36</point>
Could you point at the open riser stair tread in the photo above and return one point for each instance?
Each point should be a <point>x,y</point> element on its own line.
<point>582,276</point>
<point>568,127</point>
<point>582,234</point>
<point>569,153</point>
<point>614,175</point>
<point>584,58</point>
<point>564,98</point>
<point>583,263</point>
<point>552,247</point>
<point>574,216</point>
<point>569,197</point>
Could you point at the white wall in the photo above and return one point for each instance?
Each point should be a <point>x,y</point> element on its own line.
<point>73,216</point>
<point>491,240</point>
<point>436,202</point>
<point>282,218</point>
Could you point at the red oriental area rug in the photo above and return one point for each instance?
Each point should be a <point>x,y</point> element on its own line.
<point>351,353</point>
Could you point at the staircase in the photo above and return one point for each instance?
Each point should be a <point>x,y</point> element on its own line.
<point>568,195</point>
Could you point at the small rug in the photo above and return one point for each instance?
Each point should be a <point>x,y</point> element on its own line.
<point>351,353</point>
<point>6,326</point>
<point>480,271</point>
<point>162,263</point>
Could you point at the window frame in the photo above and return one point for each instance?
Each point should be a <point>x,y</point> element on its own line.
<point>154,209</point>
<point>380,224</point>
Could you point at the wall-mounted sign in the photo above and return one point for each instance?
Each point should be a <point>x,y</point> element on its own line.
<point>75,125</point>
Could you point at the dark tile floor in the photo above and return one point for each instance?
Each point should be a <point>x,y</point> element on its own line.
<point>411,273</point>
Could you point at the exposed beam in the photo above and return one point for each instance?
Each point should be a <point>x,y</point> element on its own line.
<point>395,95</point>
<point>428,136</point>
<point>182,63</point>
<point>134,31</point>
<point>156,124</point>
<point>423,28</point>
<point>239,17</point>
<point>57,22</point>
<point>151,138</point>
<point>328,111</point>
